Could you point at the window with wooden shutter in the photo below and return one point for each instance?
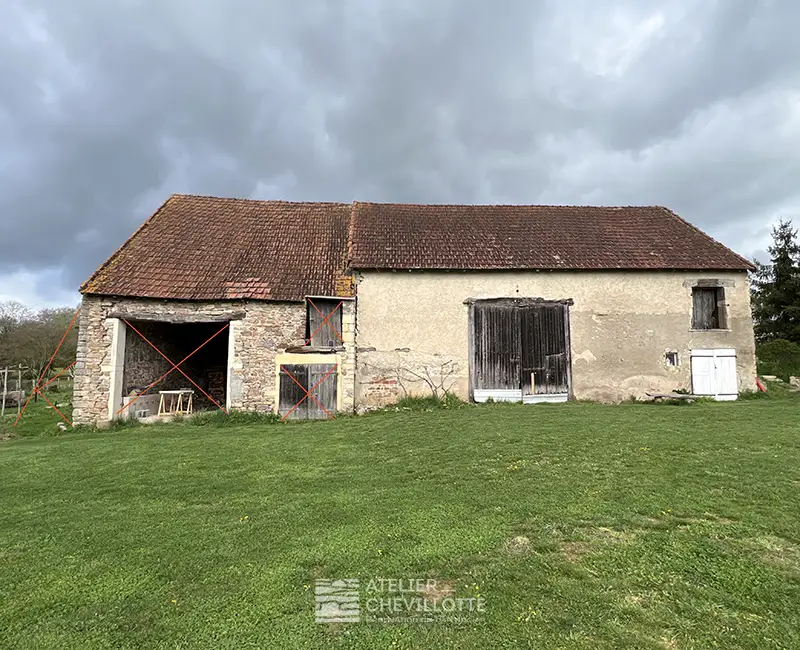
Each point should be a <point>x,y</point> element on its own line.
<point>708,308</point>
<point>324,323</point>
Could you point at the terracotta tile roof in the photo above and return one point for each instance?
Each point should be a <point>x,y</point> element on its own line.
<point>392,236</point>
<point>206,248</point>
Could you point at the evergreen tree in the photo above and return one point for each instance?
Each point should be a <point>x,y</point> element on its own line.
<point>776,288</point>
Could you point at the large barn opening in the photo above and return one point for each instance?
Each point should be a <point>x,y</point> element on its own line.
<point>207,366</point>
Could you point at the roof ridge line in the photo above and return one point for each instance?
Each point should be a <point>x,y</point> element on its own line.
<point>249,200</point>
<point>513,205</point>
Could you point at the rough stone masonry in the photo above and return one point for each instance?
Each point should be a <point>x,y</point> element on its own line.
<point>259,332</point>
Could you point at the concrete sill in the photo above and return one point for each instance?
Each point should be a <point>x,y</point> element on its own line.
<point>712,331</point>
<point>309,349</point>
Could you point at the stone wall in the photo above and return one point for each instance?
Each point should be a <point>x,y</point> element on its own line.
<point>258,333</point>
<point>143,365</point>
<point>413,329</point>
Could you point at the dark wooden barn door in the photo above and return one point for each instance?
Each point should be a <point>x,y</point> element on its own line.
<point>544,349</point>
<point>496,346</point>
<point>519,348</point>
<point>296,379</point>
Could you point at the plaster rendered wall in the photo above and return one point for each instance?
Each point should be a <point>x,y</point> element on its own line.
<point>413,329</point>
<point>259,332</point>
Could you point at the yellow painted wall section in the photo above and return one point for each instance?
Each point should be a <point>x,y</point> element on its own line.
<point>412,328</point>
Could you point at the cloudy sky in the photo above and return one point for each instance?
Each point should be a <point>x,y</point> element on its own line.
<point>109,106</point>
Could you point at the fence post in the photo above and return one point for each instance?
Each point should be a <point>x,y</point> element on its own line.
<point>5,390</point>
<point>19,387</point>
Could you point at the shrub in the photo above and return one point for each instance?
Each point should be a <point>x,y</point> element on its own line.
<point>775,390</point>
<point>779,357</point>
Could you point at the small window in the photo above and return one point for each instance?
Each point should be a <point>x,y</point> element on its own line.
<point>324,323</point>
<point>708,308</point>
<point>671,358</point>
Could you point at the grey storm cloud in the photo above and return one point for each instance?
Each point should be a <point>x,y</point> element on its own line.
<point>108,107</point>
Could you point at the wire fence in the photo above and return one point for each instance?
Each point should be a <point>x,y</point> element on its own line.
<point>17,383</point>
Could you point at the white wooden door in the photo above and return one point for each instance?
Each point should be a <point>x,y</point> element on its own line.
<point>702,374</point>
<point>714,373</point>
<point>726,384</point>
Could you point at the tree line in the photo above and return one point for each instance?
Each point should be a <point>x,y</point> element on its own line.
<point>29,337</point>
<point>775,299</point>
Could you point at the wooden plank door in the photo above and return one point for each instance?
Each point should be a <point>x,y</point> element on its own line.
<point>726,380</point>
<point>308,376</point>
<point>290,393</point>
<point>496,350</point>
<point>323,376</point>
<point>714,373</point>
<point>545,349</point>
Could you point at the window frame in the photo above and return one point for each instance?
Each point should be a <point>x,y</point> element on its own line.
<point>719,315</point>
<point>326,305</point>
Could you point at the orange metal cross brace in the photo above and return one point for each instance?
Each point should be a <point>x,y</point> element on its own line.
<point>47,367</point>
<point>53,406</point>
<point>52,379</point>
<point>174,367</point>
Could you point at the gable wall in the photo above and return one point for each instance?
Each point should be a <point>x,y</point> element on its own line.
<point>412,324</point>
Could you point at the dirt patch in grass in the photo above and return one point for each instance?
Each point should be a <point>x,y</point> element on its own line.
<point>593,539</point>
<point>610,535</point>
<point>318,571</point>
<point>705,518</point>
<point>778,551</point>
<point>575,551</point>
<point>334,629</point>
<point>669,519</point>
<point>436,590</point>
<point>719,518</point>
<point>670,644</point>
<point>519,545</point>
<point>639,600</point>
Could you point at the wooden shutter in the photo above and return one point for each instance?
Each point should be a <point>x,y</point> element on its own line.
<point>705,310</point>
<point>329,334</point>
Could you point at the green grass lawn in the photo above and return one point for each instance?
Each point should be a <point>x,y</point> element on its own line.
<point>38,419</point>
<point>582,526</point>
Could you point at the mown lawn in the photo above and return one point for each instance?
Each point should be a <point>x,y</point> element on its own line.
<point>583,526</point>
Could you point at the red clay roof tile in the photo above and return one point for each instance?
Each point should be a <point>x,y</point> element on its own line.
<point>207,248</point>
<point>393,236</point>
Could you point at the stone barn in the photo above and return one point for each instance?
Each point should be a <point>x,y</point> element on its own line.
<point>306,309</point>
<point>253,275</point>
